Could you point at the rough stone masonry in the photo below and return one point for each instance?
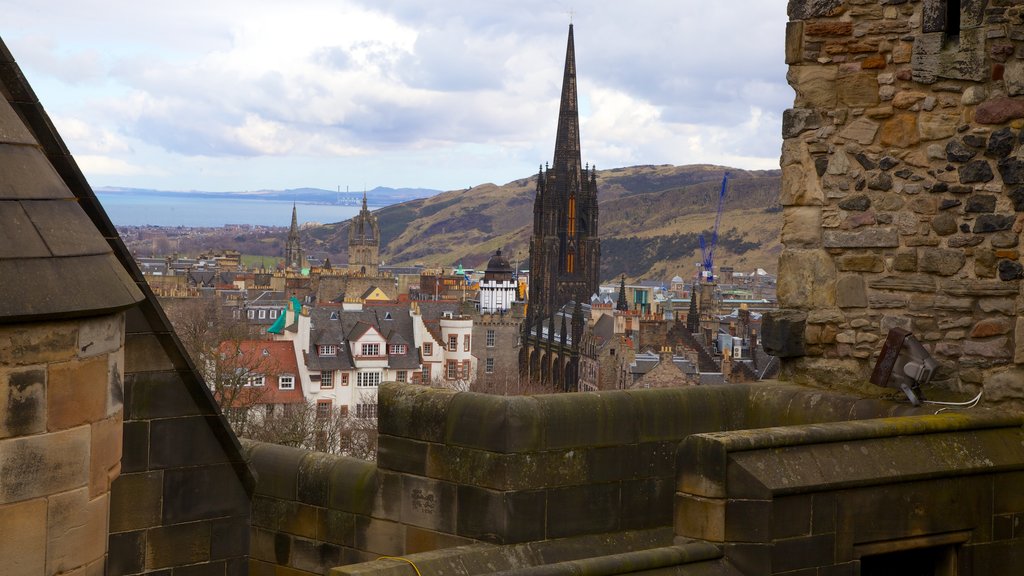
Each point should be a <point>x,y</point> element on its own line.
<point>903,189</point>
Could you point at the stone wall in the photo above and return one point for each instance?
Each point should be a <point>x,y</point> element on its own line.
<point>60,442</point>
<point>945,487</point>
<point>903,181</point>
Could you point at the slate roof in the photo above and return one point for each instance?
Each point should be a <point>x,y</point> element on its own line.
<point>279,360</point>
<point>54,263</point>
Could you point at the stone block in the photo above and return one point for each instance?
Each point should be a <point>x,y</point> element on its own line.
<point>416,412</point>
<point>229,538</point>
<point>135,447</point>
<point>167,436</point>
<point>1018,339</point>
<point>782,333</point>
<point>98,336</point>
<point>43,464</point>
<point>380,536</point>
<point>313,481</point>
<point>104,454</point>
<point>700,518</point>
<point>815,86</point>
<point>585,509</point>
<point>202,492</point>
<point>336,527</point>
<point>159,395</point>
<point>794,42</point>
<point>796,121</point>
<point>867,238</point>
<point>149,353</point>
<point>76,393</point>
<point>598,419</point>
<point>177,545</point>
<point>791,516</point>
<point>941,261</point>
<point>807,278</point>
<point>428,503</point>
<point>748,520</point>
<point>22,401</point>
<point>647,503</point>
<point>420,540</point>
<point>859,90</point>
<point>900,131</point>
<point>861,130</point>
<point>850,292</point>
<point>136,501</point>
<point>937,125</point>
<point>40,343</point>
<point>868,262</point>
<point>23,546</point>
<point>76,530</point>
<point>805,552</point>
<point>402,455</point>
<point>355,485</point>
<point>126,554</point>
<point>298,519</point>
<point>801,226</point>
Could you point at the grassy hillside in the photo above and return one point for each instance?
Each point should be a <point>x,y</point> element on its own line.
<point>651,221</point>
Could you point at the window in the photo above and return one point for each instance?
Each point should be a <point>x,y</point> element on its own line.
<point>368,379</point>
<point>327,350</point>
<point>398,349</point>
<point>453,342</point>
<point>270,409</point>
<point>257,380</point>
<point>428,349</point>
<point>251,314</point>
<point>323,408</point>
<point>286,382</point>
<point>263,314</point>
<point>327,379</point>
<point>453,370</point>
<point>401,376</point>
<point>343,410</point>
<point>273,314</point>
<point>371,349</point>
<point>465,370</point>
<point>489,366</point>
<point>366,410</point>
<point>490,339</point>
<point>426,373</point>
<point>465,344</point>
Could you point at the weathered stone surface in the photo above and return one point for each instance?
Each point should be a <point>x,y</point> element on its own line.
<point>981,203</point>
<point>798,120</point>
<point>956,151</point>
<point>808,281</point>
<point>985,263</point>
<point>858,90</point>
<point>1012,170</point>
<point>806,9</point>
<point>906,98</point>
<point>858,219</point>
<point>900,131</point>
<point>23,546</point>
<point>62,456</point>
<point>937,125</point>
<point>861,263</point>
<point>940,261</point>
<point>993,223</point>
<point>975,171</point>
<point>828,28</point>
<point>794,42</point>
<point>977,288</point>
<point>1016,195</point>
<point>909,283</point>
<point>863,159</point>
<point>850,292</point>
<point>888,163</point>
<point>923,205</point>
<point>22,344</point>
<point>1004,240</point>
<point>870,238</point>
<point>1013,76</point>
<point>859,203</point>
<point>1010,270</point>
<point>782,333</point>
<point>838,163</point>
<point>880,181</point>
<point>800,188</point>
<point>990,327</point>
<point>76,532</point>
<point>77,392</point>
<point>22,401</point>
<point>999,110</point>
<point>801,226</point>
<point>1000,143</point>
<point>991,348</point>
<point>964,240</point>
<point>905,261</point>
<point>862,131</point>
<point>815,87</point>
<point>948,203</point>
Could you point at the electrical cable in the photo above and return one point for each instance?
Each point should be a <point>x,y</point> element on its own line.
<point>952,405</point>
<point>400,559</point>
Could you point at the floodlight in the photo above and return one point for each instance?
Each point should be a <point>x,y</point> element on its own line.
<point>904,364</point>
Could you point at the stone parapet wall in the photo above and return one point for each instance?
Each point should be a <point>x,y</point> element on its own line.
<point>903,181</point>
<point>60,442</point>
<point>826,498</point>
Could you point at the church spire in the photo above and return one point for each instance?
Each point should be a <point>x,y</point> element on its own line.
<point>292,249</point>
<point>364,201</point>
<point>567,139</point>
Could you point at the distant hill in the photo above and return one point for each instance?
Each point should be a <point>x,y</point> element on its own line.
<point>379,196</point>
<point>651,219</point>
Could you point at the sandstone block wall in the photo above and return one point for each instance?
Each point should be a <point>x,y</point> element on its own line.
<point>60,442</point>
<point>903,187</point>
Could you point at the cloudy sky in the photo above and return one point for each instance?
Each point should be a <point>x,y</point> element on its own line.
<point>254,94</point>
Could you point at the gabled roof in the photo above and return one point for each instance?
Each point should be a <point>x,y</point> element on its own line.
<point>271,359</point>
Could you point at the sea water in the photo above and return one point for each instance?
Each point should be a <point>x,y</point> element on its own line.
<point>126,209</point>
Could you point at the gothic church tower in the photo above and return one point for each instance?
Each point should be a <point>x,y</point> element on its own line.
<point>364,243</point>
<point>292,249</point>
<point>565,251</point>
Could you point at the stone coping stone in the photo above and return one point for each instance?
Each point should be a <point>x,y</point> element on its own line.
<point>597,555</point>
<point>848,453</point>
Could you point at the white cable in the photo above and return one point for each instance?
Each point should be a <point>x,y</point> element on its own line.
<point>969,404</point>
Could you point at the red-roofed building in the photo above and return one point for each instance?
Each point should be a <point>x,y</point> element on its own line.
<point>258,373</point>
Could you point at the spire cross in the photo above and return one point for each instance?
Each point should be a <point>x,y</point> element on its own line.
<point>571,13</point>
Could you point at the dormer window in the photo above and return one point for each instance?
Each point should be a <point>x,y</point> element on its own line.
<point>397,349</point>
<point>327,350</point>
<point>371,349</point>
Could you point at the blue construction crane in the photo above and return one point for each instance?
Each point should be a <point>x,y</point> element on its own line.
<point>708,251</point>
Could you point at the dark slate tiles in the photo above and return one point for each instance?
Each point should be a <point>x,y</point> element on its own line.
<point>65,228</point>
<point>46,287</point>
<point>12,130</point>
<point>25,174</point>
<point>18,237</point>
